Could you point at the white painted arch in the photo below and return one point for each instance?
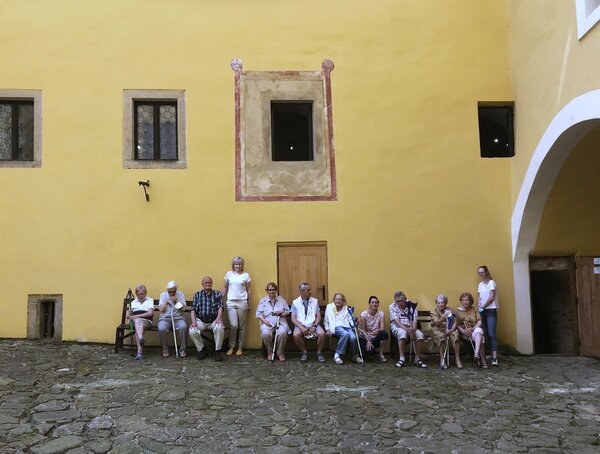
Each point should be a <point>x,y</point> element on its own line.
<point>569,126</point>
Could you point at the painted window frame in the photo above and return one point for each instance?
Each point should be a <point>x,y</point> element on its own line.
<point>131,96</point>
<point>35,97</point>
<point>588,15</point>
<point>257,177</point>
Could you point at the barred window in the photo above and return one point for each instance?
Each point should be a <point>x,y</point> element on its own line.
<point>16,130</point>
<point>155,130</point>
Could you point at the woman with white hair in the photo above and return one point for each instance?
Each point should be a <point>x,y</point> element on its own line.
<point>444,329</point>
<point>141,312</point>
<point>237,291</point>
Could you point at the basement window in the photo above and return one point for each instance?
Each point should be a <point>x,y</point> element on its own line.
<point>496,131</point>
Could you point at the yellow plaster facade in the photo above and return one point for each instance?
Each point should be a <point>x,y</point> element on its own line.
<point>417,208</point>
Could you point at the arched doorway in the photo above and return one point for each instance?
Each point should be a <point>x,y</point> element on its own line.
<point>569,126</point>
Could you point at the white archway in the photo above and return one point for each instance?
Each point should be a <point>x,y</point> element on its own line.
<point>567,128</point>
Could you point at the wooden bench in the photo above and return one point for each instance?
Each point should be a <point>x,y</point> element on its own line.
<point>124,331</point>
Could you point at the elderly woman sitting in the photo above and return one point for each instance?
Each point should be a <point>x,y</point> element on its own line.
<point>444,327</point>
<point>272,309</point>
<point>338,323</point>
<point>469,326</point>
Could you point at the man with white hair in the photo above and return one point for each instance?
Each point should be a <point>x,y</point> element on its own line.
<point>172,304</point>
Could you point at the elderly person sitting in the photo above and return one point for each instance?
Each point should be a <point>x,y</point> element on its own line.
<point>171,306</point>
<point>337,322</point>
<point>444,326</point>
<point>469,326</point>
<point>271,309</point>
<point>141,312</point>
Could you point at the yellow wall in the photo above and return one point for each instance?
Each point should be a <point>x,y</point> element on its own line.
<point>417,208</point>
<point>571,216</point>
<point>549,67</point>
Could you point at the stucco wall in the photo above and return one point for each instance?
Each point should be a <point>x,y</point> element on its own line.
<point>571,216</point>
<point>417,208</point>
<point>549,67</point>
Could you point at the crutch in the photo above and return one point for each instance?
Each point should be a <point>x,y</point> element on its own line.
<point>449,323</point>
<point>476,358</point>
<point>410,350</point>
<point>174,334</point>
<point>353,326</point>
<point>129,299</point>
<point>275,341</point>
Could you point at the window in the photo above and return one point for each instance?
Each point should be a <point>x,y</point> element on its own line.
<point>284,147</point>
<point>20,128</point>
<point>588,14</point>
<point>154,129</point>
<point>496,136</point>
<point>291,131</point>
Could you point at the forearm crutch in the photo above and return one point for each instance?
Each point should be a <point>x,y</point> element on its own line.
<point>174,334</point>
<point>353,326</point>
<point>275,341</point>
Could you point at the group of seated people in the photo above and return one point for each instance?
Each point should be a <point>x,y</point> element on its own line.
<point>361,336</point>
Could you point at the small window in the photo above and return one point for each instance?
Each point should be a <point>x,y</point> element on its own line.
<point>496,133</point>
<point>16,130</point>
<point>154,129</point>
<point>291,131</point>
<point>155,126</point>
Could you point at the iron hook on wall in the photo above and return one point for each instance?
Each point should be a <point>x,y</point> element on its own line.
<point>145,184</point>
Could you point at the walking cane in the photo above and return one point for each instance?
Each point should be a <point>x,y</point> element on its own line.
<point>353,325</point>
<point>174,334</point>
<point>449,323</point>
<point>275,342</point>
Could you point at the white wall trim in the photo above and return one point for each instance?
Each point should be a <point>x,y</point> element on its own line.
<point>588,15</point>
<point>567,128</point>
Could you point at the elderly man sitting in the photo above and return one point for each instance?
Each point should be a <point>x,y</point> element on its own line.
<point>206,314</point>
<point>171,305</point>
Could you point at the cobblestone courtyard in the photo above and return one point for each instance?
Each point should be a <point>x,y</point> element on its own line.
<point>80,398</point>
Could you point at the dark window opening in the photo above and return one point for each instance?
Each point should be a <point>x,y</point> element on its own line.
<point>16,130</point>
<point>291,131</point>
<point>47,319</point>
<point>155,130</point>
<point>496,131</point>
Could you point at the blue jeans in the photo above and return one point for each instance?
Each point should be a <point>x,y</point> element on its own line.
<point>490,319</point>
<point>344,336</point>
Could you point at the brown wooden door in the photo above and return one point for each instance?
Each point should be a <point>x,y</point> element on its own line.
<point>588,293</point>
<point>302,262</point>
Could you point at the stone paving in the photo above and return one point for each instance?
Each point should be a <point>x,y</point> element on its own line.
<point>82,398</point>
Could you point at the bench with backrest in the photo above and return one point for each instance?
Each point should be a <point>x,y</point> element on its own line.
<point>124,331</point>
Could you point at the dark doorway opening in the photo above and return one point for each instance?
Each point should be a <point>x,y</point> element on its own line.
<point>553,305</point>
<point>47,319</point>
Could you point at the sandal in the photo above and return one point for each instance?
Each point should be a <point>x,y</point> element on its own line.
<point>400,363</point>
<point>421,364</point>
<point>165,354</point>
<point>382,359</point>
<point>182,354</point>
<point>443,366</point>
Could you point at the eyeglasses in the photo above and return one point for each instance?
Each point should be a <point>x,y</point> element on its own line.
<point>271,290</point>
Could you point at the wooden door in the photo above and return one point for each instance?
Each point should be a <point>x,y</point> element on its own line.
<point>588,294</point>
<point>553,305</point>
<point>302,262</point>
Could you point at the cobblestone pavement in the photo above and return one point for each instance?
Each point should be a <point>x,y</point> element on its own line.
<point>79,398</point>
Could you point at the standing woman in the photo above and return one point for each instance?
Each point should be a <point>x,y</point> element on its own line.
<point>488,302</point>
<point>237,289</point>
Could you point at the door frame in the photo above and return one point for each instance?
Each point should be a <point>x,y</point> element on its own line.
<point>305,244</point>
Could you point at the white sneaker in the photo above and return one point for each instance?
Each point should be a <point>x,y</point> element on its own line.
<point>337,359</point>
<point>357,359</point>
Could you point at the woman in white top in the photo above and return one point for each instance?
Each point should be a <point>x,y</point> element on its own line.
<point>141,312</point>
<point>488,304</point>
<point>337,322</point>
<point>237,292</point>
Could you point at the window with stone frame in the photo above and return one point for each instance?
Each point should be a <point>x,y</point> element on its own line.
<point>154,129</point>
<point>20,128</point>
